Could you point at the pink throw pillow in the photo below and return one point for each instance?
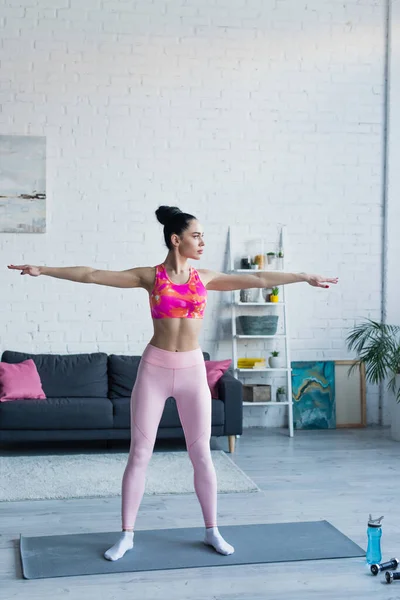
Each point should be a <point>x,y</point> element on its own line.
<point>215,369</point>
<point>20,380</point>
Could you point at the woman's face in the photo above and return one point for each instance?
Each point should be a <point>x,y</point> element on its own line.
<point>191,243</point>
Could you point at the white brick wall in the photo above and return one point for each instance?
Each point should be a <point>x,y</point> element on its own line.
<point>239,111</point>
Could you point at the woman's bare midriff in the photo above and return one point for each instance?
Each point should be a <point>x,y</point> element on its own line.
<point>176,335</point>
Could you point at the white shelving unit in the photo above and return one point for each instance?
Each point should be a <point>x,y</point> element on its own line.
<point>281,306</point>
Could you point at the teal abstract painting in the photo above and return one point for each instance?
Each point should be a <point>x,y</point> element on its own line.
<point>313,388</point>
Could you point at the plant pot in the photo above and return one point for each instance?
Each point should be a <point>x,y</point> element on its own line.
<point>273,298</point>
<point>281,397</point>
<point>258,296</point>
<point>275,362</point>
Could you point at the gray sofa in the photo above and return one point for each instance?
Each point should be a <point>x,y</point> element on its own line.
<point>88,398</point>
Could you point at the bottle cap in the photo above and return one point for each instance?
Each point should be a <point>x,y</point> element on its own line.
<point>374,522</point>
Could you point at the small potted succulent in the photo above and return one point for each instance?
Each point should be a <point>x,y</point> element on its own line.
<point>253,265</point>
<point>275,362</point>
<point>274,297</point>
<point>281,394</point>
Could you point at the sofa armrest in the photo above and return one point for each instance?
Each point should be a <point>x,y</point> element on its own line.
<point>230,391</point>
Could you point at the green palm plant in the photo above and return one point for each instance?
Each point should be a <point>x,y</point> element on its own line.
<point>378,348</point>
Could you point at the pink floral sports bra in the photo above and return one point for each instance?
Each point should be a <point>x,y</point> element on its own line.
<point>177,300</point>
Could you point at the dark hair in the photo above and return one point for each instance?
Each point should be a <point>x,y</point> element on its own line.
<point>174,221</point>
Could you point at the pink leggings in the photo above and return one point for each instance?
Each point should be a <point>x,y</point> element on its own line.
<point>162,374</point>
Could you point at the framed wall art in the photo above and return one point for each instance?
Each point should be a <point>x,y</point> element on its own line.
<point>313,393</point>
<point>22,184</point>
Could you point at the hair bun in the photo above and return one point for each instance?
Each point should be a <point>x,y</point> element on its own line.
<point>166,213</point>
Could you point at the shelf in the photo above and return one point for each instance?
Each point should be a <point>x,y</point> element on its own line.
<point>265,403</point>
<point>262,370</point>
<point>257,271</point>
<point>261,297</point>
<point>260,303</point>
<point>278,335</point>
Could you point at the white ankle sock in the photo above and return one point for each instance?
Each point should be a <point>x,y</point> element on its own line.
<point>214,538</point>
<point>118,550</point>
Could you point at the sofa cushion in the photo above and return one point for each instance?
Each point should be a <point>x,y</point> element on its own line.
<point>122,371</point>
<point>57,413</point>
<point>170,416</point>
<point>122,412</point>
<point>68,375</point>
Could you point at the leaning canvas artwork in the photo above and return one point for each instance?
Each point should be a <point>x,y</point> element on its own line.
<point>313,387</point>
<point>22,184</point>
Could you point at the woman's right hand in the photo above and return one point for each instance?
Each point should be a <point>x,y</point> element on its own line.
<point>26,269</point>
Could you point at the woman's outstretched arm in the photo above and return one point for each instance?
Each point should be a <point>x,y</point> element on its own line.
<point>224,282</point>
<point>130,278</point>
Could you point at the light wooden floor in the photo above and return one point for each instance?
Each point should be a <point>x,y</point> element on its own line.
<point>337,475</point>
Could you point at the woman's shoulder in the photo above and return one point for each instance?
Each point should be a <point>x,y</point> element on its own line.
<point>206,275</point>
<point>147,275</point>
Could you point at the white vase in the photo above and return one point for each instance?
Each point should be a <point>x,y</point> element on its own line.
<point>275,362</point>
<point>259,297</point>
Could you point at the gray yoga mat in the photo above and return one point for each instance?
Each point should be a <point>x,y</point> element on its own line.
<point>159,549</point>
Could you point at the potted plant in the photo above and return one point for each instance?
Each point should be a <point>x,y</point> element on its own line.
<point>378,347</point>
<point>275,362</point>
<point>281,394</point>
<point>271,258</point>
<point>274,296</point>
<point>253,265</point>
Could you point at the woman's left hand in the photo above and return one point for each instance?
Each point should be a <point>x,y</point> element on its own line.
<point>319,281</point>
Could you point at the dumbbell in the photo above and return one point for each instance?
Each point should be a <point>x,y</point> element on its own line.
<point>393,563</point>
<point>390,576</point>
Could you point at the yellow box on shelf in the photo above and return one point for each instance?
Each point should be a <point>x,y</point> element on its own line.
<point>251,363</point>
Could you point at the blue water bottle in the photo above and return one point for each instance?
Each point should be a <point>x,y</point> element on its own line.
<point>374,532</point>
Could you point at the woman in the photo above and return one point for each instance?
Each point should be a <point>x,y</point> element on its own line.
<point>172,363</point>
